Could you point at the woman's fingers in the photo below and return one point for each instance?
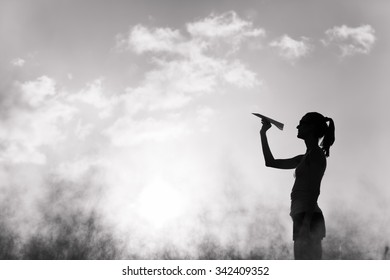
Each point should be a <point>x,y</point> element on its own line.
<point>266,124</point>
<point>265,121</point>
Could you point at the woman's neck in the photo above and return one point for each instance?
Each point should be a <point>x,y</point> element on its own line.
<point>311,143</point>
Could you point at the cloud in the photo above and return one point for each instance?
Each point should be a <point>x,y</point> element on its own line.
<point>93,95</point>
<point>186,66</point>
<point>128,132</point>
<point>33,120</point>
<point>204,34</point>
<point>238,74</point>
<point>18,62</point>
<point>36,92</point>
<point>189,64</point>
<point>227,26</point>
<point>351,41</point>
<point>142,39</point>
<point>291,49</point>
<point>77,169</point>
<point>23,135</point>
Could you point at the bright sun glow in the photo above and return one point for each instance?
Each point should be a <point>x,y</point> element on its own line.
<point>160,203</point>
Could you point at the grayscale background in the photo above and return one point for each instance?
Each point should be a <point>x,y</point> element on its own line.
<point>126,129</point>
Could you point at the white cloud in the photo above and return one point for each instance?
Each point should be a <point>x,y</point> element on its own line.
<point>82,130</point>
<point>291,49</point>
<point>226,25</point>
<point>14,153</point>
<point>75,170</point>
<point>197,74</point>
<point>142,39</point>
<point>18,62</point>
<point>27,129</point>
<point>93,94</point>
<point>186,66</point>
<point>237,74</point>
<point>200,63</point>
<point>225,32</point>
<point>205,34</point>
<point>36,92</point>
<point>176,83</point>
<point>351,40</point>
<point>128,132</point>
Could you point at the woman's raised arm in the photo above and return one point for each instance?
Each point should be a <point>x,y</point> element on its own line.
<point>270,161</point>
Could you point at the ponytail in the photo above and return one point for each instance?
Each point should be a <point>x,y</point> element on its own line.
<point>321,129</point>
<point>329,136</point>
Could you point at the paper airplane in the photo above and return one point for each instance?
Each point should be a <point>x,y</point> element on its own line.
<point>276,123</point>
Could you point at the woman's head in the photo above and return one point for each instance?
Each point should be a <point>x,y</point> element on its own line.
<point>315,124</point>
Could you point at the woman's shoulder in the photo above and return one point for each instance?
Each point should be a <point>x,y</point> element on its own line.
<point>316,156</point>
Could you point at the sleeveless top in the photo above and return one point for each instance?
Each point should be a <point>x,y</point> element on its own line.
<point>306,188</point>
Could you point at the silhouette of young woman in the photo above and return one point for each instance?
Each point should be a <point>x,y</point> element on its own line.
<point>308,221</point>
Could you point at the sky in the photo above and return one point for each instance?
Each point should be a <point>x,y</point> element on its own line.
<point>138,114</point>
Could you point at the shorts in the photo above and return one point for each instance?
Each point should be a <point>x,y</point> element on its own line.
<point>317,225</point>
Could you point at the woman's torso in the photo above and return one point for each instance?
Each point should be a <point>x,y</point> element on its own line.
<point>308,176</point>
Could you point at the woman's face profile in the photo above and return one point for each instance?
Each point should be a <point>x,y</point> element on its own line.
<point>304,128</point>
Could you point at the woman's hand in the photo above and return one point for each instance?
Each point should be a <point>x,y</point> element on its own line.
<point>266,125</point>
